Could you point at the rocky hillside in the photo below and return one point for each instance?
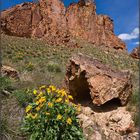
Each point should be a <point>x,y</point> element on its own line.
<point>100,77</point>
<point>38,63</point>
<point>60,25</point>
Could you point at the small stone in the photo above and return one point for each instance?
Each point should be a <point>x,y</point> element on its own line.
<point>9,72</point>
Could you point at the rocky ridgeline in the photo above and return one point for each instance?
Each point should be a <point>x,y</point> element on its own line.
<point>57,24</point>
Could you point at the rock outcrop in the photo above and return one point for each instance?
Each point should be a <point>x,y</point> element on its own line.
<point>59,25</point>
<point>135,53</point>
<point>112,125</point>
<point>9,72</point>
<point>88,78</point>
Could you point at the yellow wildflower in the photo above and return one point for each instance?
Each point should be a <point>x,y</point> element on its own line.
<point>74,105</point>
<point>69,121</point>
<point>78,108</point>
<point>47,113</point>
<point>58,91</point>
<point>58,100</point>
<point>37,108</point>
<point>34,116</point>
<point>63,93</point>
<point>42,99</point>
<point>37,102</point>
<point>48,90</point>
<point>28,108</point>
<point>40,94</point>
<point>50,104</point>
<point>42,87</point>
<point>67,101</point>
<point>70,97</point>
<point>28,115</point>
<point>59,117</point>
<point>53,88</point>
<point>35,92</point>
<point>41,105</point>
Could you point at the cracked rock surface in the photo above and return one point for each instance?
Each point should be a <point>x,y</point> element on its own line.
<point>88,78</point>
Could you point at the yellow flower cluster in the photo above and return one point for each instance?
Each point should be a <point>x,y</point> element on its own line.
<point>58,100</point>
<point>42,87</point>
<point>32,116</point>
<point>61,94</point>
<point>42,99</point>
<point>28,108</point>
<point>50,104</point>
<point>59,117</point>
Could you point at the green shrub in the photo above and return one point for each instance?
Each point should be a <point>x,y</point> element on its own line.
<point>5,83</point>
<point>53,68</point>
<point>51,116</point>
<point>136,119</point>
<point>133,106</point>
<point>29,66</point>
<point>135,98</point>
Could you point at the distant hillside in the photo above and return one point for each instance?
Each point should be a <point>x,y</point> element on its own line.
<point>40,62</point>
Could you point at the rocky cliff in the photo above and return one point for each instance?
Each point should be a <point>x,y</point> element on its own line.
<point>135,53</point>
<point>59,25</point>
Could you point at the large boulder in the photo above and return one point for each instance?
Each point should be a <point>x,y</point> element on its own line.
<point>88,78</point>
<point>51,20</point>
<point>135,53</point>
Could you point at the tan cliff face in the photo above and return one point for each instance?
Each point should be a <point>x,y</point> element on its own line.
<point>57,24</point>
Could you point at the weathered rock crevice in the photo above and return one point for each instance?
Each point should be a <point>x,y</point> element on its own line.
<point>81,91</point>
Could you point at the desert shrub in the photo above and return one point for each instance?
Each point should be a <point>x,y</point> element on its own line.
<point>23,96</point>
<point>136,119</point>
<point>29,66</point>
<point>5,83</point>
<point>135,98</point>
<point>51,116</point>
<point>133,106</point>
<point>53,68</point>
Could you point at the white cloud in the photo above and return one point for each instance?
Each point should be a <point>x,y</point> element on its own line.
<point>133,35</point>
<point>136,43</point>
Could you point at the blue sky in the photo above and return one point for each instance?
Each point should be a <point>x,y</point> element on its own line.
<point>124,13</point>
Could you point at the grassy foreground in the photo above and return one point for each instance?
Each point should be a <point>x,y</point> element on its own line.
<point>39,63</point>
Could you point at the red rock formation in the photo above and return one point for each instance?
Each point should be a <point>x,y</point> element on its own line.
<point>52,21</point>
<point>135,53</point>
